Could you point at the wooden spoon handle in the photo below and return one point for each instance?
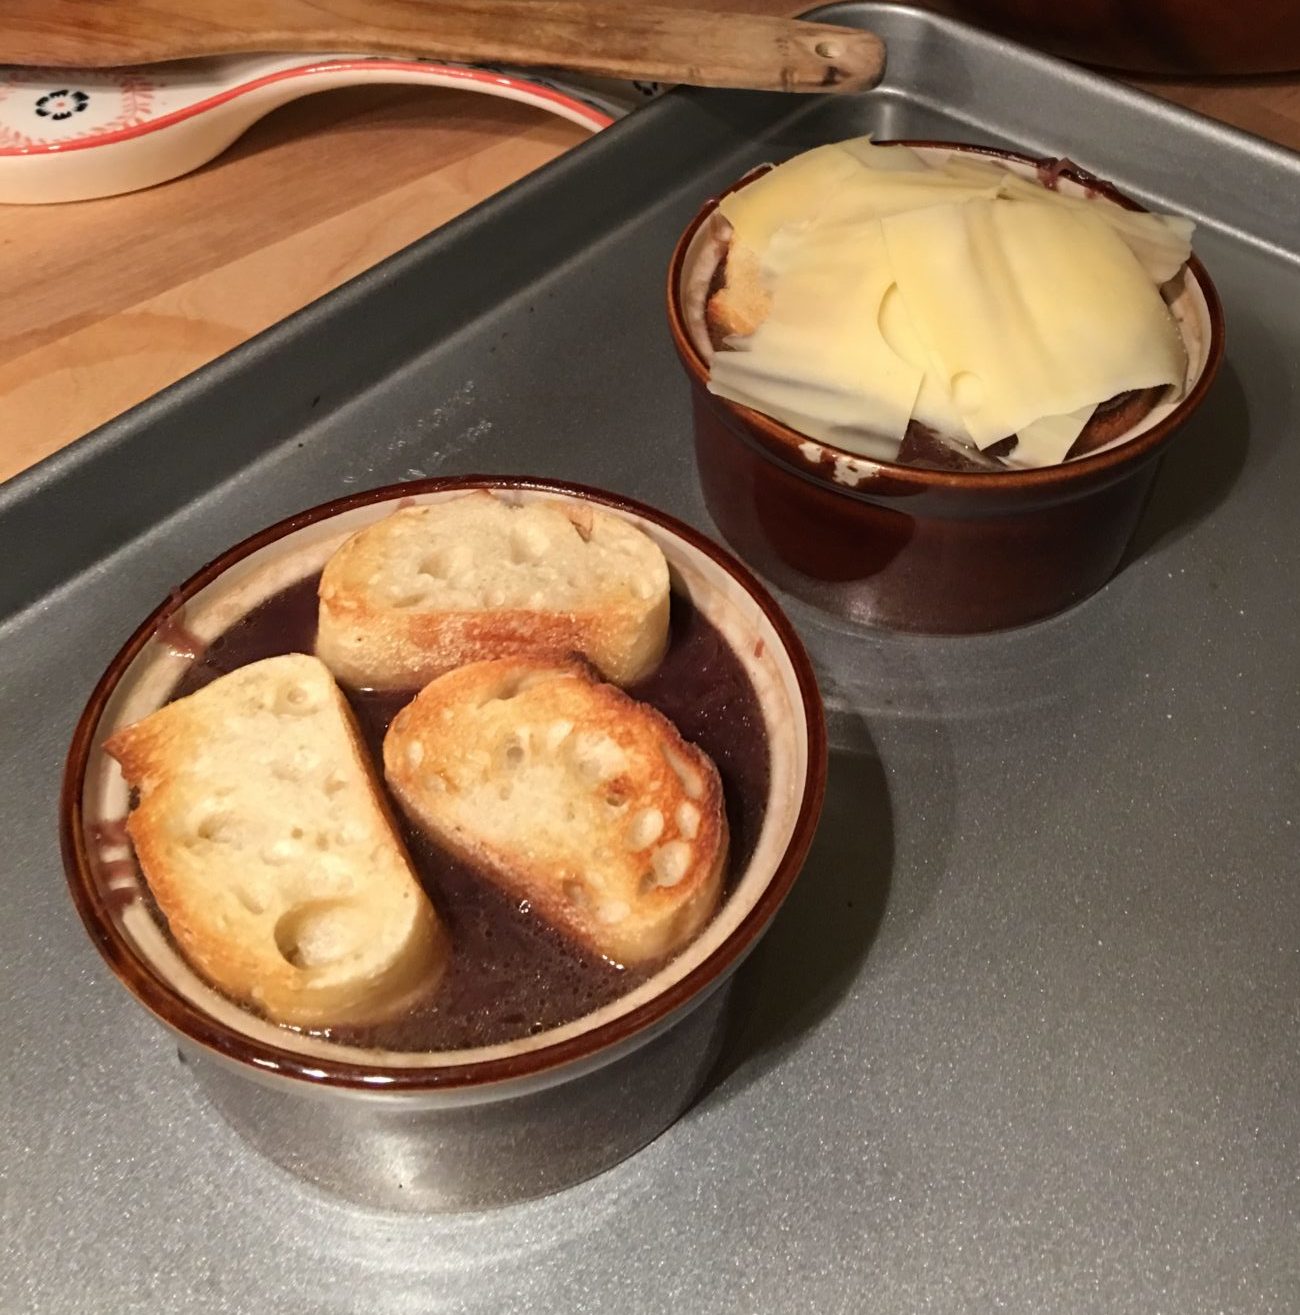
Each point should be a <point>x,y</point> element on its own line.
<point>653,43</point>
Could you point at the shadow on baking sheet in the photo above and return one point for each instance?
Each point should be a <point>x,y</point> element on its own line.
<point>1199,470</point>
<point>820,938</point>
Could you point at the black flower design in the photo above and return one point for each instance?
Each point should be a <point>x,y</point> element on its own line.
<point>61,104</point>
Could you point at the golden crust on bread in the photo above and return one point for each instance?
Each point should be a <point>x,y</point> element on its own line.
<point>569,794</point>
<point>270,850</point>
<point>739,302</point>
<point>434,586</point>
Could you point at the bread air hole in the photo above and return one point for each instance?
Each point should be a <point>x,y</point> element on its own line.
<point>294,700</point>
<point>448,563</point>
<point>296,766</point>
<point>250,899</point>
<point>596,757</point>
<point>670,862</point>
<point>349,833</point>
<point>528,544</point>
<point>645,828</point>
<point>688,820</point>
<point>280,852</point>
<point>220,828</point>
<point>320,932</point>
<point>509,687</point>
<point>613,911</point>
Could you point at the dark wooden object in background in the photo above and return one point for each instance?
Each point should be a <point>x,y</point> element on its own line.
<point>1191,38</point>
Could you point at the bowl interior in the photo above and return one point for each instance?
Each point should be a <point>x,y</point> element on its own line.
<point>1190,307</point>
<point>141,681</point>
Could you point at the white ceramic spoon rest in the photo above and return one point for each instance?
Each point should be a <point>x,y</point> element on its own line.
<point>73,134</point>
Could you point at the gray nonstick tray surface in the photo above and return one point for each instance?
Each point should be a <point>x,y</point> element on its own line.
<point>1026,1036</point>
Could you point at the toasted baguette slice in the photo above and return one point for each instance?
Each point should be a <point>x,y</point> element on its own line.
<point>432,587</point>
<point>741,303</point>
<point>569,794</point>
<point>269,850</point>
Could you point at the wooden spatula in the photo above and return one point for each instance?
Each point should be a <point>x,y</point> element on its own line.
<point>645,42</point>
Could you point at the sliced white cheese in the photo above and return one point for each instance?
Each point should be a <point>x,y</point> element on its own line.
<point>1161,242</point>
<point>1029,310</point>
<point>819,362</point>
<point>792,193</point>
<point>866,152</point>
<point>873,194</point>
<point>860,201</point>
<point>972,169</point>
<point>934,405</point>
<point>949,290</point>
<point>845,182</point>
<point>1046,442</point>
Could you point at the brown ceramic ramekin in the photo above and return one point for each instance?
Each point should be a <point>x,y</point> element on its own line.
<point>914,549</point>
<point>452,1129</point>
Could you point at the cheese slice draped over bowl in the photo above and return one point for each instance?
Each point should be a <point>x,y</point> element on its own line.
<point>822,348</point>
<point>1029,310</point>
<point>952,292</point>
<point>1161,242</point>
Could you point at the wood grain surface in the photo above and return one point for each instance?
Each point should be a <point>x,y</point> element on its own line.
<point>106,302</point>
<point>652,42</point>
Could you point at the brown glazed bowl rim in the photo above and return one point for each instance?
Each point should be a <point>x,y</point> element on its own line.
<point>259,1056</point>
<point>783,442</point>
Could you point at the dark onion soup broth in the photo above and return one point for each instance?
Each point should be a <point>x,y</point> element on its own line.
<point>511,974</point>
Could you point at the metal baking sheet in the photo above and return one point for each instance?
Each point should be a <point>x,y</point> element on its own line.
<point>1027,1035</point>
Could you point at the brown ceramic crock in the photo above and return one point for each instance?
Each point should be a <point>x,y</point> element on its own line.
<point>914,549</point>
<point>453,1129</point>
